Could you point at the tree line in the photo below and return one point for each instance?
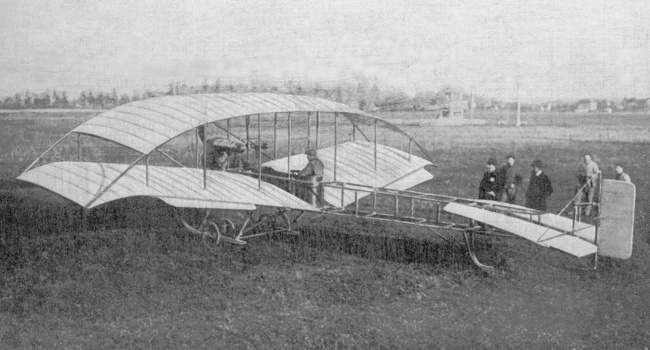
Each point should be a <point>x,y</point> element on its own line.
<point>359,93</point>
<point>60,99</point>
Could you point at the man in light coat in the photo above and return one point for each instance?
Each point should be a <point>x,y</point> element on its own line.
<point>620,175</point>
<point>587,181</point>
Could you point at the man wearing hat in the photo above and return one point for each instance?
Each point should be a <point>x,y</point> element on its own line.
<point>587,180</point>
<point>509,181</point>
<point>539,187</point>
<point>314,167</point>
<point>220,161</point>
<point>620,175</point>
<point>312,172</point>
<point>490,183</point>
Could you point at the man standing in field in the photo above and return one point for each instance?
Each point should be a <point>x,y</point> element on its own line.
<point>539,188</point>
<point>620,175</point>
<point>509,181</point>
<point>490,183</point>
<point>587,179</point>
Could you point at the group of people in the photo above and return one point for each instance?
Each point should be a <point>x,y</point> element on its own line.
<point>502,184</point>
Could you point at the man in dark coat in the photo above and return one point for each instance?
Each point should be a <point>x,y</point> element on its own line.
<point>509,181</point>
<point>539,187</point>
<point>490,183</point>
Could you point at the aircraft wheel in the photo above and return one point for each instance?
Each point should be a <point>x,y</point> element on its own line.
<point>194,220</point>
<point>212,239</point>
<point>197,222</point>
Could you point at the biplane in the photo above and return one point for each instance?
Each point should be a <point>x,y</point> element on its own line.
<point>162,148</point>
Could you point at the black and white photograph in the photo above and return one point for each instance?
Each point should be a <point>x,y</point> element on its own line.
<point>283,174</point>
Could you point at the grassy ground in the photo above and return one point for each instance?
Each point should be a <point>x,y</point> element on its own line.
<point>131,278</point>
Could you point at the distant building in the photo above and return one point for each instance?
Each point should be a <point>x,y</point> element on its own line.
<point>452,104</point>
<point>582,108</point>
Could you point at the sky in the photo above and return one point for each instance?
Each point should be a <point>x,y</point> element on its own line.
<point>546,49</point>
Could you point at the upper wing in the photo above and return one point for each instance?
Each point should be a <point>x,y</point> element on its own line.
<point>92,184</point>
<point>147,124</point>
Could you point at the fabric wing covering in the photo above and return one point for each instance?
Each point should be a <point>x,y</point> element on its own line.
<point>355,165</point>
<point>81,182</point>
<point>553,234</point>
<point>146,124</point>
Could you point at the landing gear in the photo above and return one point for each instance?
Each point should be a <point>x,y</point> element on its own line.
<point>469,241</point>
<point>214,229</point>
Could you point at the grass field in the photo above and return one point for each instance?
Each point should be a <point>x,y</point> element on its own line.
<point>131,278</point>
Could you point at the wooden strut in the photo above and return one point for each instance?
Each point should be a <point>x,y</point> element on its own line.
<point>289,152</point>
<point>259,152</point>
<point>336,118</point>
<point>248,140</point>
<point>205,150</point>
<point>308,130</point>
<point>355,128</point>
<point>196,146</point>
<point>597,226</point>
<point>146,171</point>
<point>100,193</point>
<point>205,156</point>
<point>317,129</point>
<point>170,158</point>
<point>46,151</point>
<point>375,141</point>
<point>275,135</point>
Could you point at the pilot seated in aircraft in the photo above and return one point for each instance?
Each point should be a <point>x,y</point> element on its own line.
<point>312,174</point>
<point>220,161</point>
<point>223,154</point>
<point>216,158</point>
